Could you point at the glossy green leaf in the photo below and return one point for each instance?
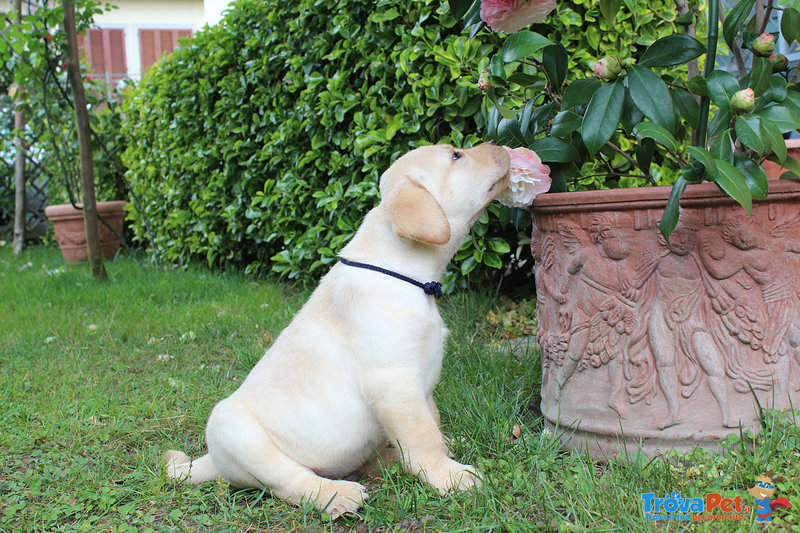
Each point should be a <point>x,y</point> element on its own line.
<point>565,123</point>
<point>686,105</point>
<point>579,92</point>
<point>702,155</point>
<point>722,121</point>
<point>523,44</point>
<point>773,138</point>
<point>539,117</point>
<point>790,163</point>
<point>777,89</point>
<point>782,117</point>
<point>509,133</point>
<point>651,96</point>
<point>657,133</point>
<point>672,211</point>
<point>694,172</point>
<point>631,115</point>
<point>555,61</point>
<point>731,180</point>
<point>697,85</point>
<point>499,245</point>
<point>504,111</point>
<point>790,25</point>
<point>722,147</point>
<point>603,115</point>
<point>672,50</point>
<point>792,102</point>
<point>735,20</point>
<point>748,131</point>
<point>459,8</point>
<point>559,182</point>
<point>554,150</point>
<point>609,10</point>
<point>644,153</point>
<point>754,177</point>
<point>760,75</point>
<point>721,87</point>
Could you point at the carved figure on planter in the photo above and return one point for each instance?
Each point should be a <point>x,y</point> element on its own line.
<point>601,317</point>
<point>676,314</point>
<point>743,252</point>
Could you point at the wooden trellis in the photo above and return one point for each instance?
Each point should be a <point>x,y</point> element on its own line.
<point>37,182</point>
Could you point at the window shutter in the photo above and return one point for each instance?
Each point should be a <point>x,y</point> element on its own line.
<point>105,53</point>
<point>147,48</point>
<point>116,62</point>
<point>155,43</point>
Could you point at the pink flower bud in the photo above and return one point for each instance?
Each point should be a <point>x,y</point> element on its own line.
<point>483,82</point>
<point>779,62</point>
<point>744,100</point>
<point>764,44</point>
<point>608,68</point>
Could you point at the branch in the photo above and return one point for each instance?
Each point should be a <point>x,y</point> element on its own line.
<point>618,150</point>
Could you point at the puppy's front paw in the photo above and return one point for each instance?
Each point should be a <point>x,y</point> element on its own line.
<point>450,475</point>
<point>339,497</point>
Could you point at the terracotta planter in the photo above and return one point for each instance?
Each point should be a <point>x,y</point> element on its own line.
<point>68,227</point>
<point>655,346</point>
<point>774,170</point>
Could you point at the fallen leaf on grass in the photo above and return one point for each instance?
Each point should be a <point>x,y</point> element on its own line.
<point>516,432</point>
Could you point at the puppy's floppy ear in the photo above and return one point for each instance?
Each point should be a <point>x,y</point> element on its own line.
<point>415,214</point>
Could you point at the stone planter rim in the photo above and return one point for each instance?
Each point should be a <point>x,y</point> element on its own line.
<point>702,195</point>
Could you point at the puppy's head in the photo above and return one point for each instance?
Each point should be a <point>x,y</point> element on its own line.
<point>435,191</point>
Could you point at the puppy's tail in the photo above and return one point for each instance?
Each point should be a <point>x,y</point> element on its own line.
<point>180,466</point>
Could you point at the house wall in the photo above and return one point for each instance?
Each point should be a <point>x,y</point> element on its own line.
<point>134,15</point>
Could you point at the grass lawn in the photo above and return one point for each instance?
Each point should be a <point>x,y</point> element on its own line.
<point>98,379</point>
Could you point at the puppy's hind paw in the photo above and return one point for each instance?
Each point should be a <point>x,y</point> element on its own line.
<point>340,497</point>
<point>178,464</point>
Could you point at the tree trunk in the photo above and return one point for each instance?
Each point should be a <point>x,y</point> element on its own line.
<point>19,165</point>
<point>84,143</point>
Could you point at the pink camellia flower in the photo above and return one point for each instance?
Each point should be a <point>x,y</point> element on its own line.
<point>764,44</point>
<point>744,100</point>
<point>509,16</point>
<point>529,178</point>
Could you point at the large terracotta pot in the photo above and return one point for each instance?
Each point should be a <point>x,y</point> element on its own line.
<point>70,234</point>
<point>774,170</point>
<point>655,346</point>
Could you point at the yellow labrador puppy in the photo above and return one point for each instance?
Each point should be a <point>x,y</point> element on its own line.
<point>357,366</point>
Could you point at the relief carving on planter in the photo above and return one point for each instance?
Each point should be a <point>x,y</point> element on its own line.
<point>700,324</point>
<point>75,238</point>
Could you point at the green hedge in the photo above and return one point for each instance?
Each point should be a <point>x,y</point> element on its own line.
<point>260,142</point>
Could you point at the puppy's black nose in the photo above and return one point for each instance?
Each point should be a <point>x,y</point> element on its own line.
<point>494,143</point>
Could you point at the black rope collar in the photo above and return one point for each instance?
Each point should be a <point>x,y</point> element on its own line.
<point>432,288</point>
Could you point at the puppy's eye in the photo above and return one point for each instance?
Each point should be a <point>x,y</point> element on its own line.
<point>457,156</point>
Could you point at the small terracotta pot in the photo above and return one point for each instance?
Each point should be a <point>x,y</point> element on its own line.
<point>70,234</point>
<point>774,170</point>
<point>663,346</point>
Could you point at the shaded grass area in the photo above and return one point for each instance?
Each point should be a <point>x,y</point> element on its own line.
<point>98,380</point>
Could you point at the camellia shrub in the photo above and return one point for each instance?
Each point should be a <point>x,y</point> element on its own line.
<point>260,142</point>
